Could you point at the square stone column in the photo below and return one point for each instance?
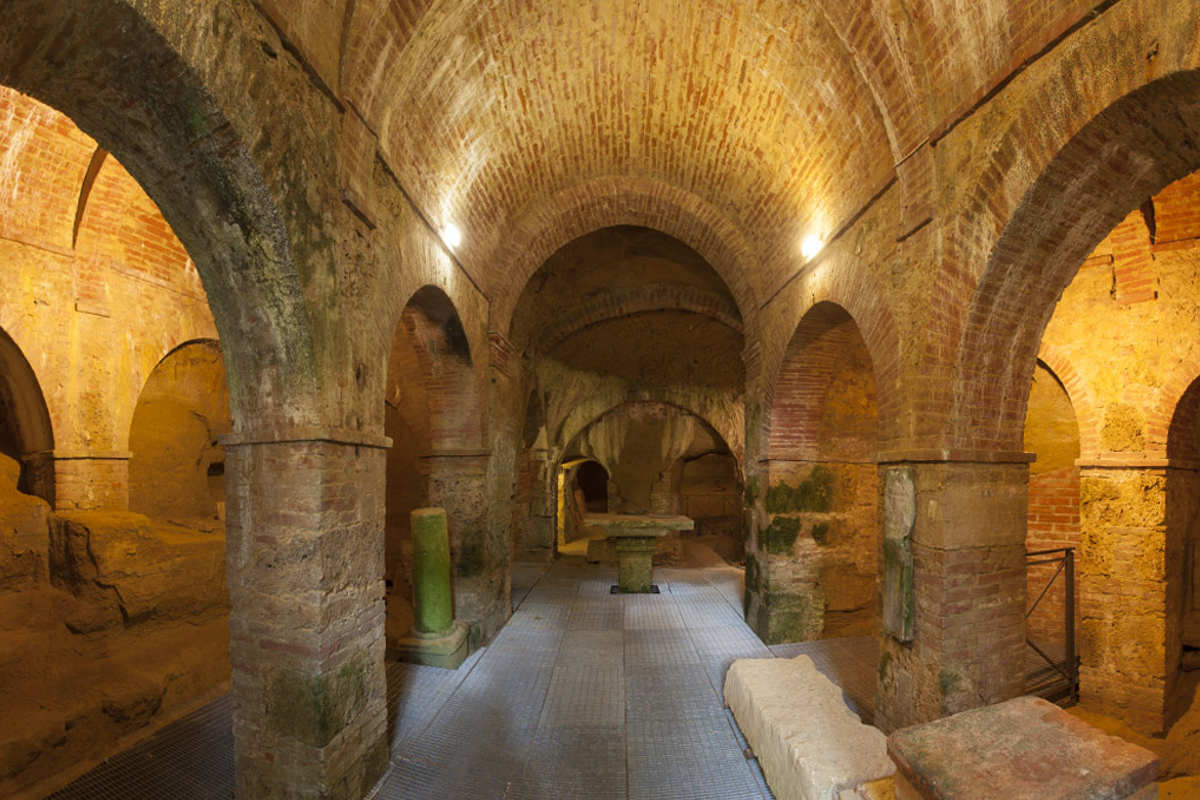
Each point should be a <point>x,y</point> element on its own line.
<point>305,572</point>
<point>1133,519</point>
<point>955,551</point>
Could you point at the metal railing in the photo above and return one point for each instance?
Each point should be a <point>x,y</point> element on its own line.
<point>1058,681</point>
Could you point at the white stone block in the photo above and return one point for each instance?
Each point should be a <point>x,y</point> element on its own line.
<point>809,743</point>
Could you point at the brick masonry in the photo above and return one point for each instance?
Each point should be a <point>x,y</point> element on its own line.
<point>959,167</point>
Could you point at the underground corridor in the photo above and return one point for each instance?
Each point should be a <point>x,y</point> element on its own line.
<point>635,399</point>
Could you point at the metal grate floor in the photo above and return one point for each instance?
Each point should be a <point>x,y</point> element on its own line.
<point>583,694</point>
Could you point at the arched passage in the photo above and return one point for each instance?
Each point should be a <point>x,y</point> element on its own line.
<point>434,417</point>
<point>648,457</point>
<point>814,566</point>
<point>1052,435</point>
<point>582,489</point>
<point>176,464</point>
<point>25,434</point>
<point>1182,576</point>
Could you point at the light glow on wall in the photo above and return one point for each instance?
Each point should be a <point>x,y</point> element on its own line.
<point>811,246</point>
<point>452,236</point>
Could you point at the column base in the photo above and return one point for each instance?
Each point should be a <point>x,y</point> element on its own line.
<point>635,564</point>
<point>447,650</point>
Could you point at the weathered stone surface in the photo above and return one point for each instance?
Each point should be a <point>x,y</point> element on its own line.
<point>1025,747</point>
<point>141,568</point>
<point>810,745</point>
<point>24,532</point>
<point>899,516</point>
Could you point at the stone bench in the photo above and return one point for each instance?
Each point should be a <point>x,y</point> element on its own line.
<point>810,745</point>
<point>1019,748</point>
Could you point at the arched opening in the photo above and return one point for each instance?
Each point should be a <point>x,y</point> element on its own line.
<point>116,590</point>
<point>630,318</point>
<point>1182,651</point>
<point>26,436</point>
<point>176,463</point>
<point>582,489</point>
<point>652,458</point>
<point>814,570</point>
<point>434,418</point>
<point>1052,526</point>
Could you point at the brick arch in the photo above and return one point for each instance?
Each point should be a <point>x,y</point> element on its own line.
<point>796,393</point>
<point>626,302</point>
<point>443,359</point>
<point>1171,423</point>
<point>107,68</point>
<point>621,200</point>
<point>1087,415</point>
<point>1102,172</point>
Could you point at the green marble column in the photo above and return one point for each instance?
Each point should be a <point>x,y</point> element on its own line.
<point>432,611</point>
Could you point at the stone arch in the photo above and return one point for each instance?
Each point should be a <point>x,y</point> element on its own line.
<point>1115,161</point>
<point>1054,433</point>
<point>27,435</point>
<point>612,454</point>
<point>1167,422</point>
<point>1086,414</point>
<point>835,283</point>
<point>618,303</point>
<point>176,464</point>
<point>818,543</point>
<point>106,67</point>
<point>803,375</point>
<point>611,201</point>
<point>434,416</point>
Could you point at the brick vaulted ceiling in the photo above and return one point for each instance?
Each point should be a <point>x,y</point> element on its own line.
<point>783,116</point>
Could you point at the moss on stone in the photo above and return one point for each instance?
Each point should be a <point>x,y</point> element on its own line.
<point>820,533</point>
<point>814,493</point>
<point>314,708</point>
<point>885,662</point>
<point>751,490</point>
<point>792,616</point>
<point>780,535</point>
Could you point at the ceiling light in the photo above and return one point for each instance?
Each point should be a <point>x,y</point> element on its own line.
<point>811,246</point>
<point>452,236</point>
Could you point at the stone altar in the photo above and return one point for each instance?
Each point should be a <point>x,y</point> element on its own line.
<point>635,536</point>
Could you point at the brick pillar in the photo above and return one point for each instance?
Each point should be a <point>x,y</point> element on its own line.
<point>91,481</point>
<point>305,571</point>
<point>1132,518</point>
<point>965,524</point>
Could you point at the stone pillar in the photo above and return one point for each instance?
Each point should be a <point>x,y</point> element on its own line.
<point>305,572</point>
<point>91,481</point>
<point>478,550</point>
<point>432,608</point>
<point>966,596</point>
<point>1132,520</point>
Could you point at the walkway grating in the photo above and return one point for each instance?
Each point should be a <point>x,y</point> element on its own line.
<point>582,694</point>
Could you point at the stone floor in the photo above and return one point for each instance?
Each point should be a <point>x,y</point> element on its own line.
<point>582,694</point>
